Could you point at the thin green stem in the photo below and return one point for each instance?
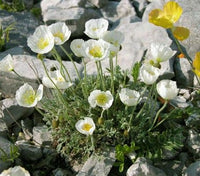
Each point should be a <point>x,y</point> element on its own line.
<point>70,58</point>
<point>112,75</point>
<point>18,75</point>
<point>58,90</point>
<point>157,114</point>
<point>92,142</point>
<point>102,76</point>
<point>58,58</point>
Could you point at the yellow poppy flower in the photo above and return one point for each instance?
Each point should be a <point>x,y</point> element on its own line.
<point>168,16</point>
<point>196,64</point>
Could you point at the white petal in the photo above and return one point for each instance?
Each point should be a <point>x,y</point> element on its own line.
<point>39,92</point>
<point>25,96</point>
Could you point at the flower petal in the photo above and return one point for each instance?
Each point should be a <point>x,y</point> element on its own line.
<point>180,33</point>
<point>196,64</point>
<point>157,18</point>
<point>172,11</point>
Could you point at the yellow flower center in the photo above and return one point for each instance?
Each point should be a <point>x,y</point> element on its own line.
<point>29,97</point>
<point>60,79</point>
<point>101,99</point>
<point>60,35</point>
<point>86,127</point>
<point>43,43</point>
<point>94,28</point>
<point>96,51</point>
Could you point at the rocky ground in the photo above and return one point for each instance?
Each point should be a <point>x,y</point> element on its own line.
<point>131,18</point>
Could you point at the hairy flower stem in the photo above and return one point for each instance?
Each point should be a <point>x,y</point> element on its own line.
<point>18,75</point>
<point>70,58</point>
<point>112,75</point>
<point>157,114</point>
<point>100,75</point>
<point>92,142</point>
<point>58,58</point>
<point>58,90</point>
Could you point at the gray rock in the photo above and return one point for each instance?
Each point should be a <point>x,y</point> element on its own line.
<point>143,168</point>
<point>183,73</point>
<point>3,128</point>
<point>193,143</point>
<point>41,135</point>
<point>114,11</point>
<point>140,4</point>
<point>173,167</point>
<point>28,151</point>
<point>30,69</point>
<point>98,3</point>
<point>5,145</point>
<point>11,111</point>
<point>61,172</point>
<point>74,15</point>
<point>193,121</point>
<point>48,4</point>
<point>138,40</point>
<point>193,169</point>
<point>24,25</point>
<point>18,50</point>
<point>96,166</point>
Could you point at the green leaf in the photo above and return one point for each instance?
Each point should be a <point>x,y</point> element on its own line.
<point>136,71</point>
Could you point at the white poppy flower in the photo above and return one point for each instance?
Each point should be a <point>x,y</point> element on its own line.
<point>60,32</point>
<point>101,99</point>
<point>95,28</point>
<point>42,40</point>
<point>77,46</point>
<point>159,53</point>
<point>149,74</point>
<point>114,37</point>
<point>85,126</point>
<point>58,80</point>
<point>15,171</point>
<point>167,89</point>
<point>7,64</point>
<point>129,97</point>
<point>27,97</point>
<point>97,49</point>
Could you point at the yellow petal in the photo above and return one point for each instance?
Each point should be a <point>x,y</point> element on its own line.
<point>197,72</point>
<point>157,18</point>
<point>172,11</point>
<point>196,61</point>
<point>180,33</point>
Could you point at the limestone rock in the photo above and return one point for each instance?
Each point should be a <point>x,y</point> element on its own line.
<point>41,135</point>
<point>142,168</point>
<point>11,111</point>
<point>5,145</point>
<point>98,3</point>
<point>184,74</point>
<point>193,169</point>
<point>24,25</point>
<point>72,12</point>
<point>29,152</point>
<point>113,11</point>
<point>98,166</point>
<point>193,142</point>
